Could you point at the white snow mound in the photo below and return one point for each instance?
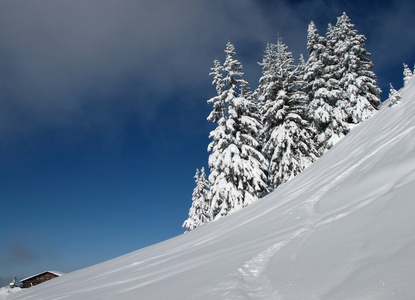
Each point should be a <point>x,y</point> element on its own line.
<point>342,229</point>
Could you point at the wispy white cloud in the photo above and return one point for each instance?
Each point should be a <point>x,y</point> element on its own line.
<point>59,56</point>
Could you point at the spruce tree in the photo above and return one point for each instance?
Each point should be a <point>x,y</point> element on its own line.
<point>218,113</point>
<point>323,91</point>
<point>394,96</point>
<point>286,132</point>
<point>267,89</point>
<point>407,74</point>
<point>199,212</point>
<point>237,167</point>
<point>353,69</point>
<point>340,82</point>
<point>219,137</point>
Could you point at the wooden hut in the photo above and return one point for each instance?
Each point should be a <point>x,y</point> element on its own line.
<point>39,278</point>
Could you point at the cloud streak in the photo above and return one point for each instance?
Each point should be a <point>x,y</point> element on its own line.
<point>58,56</point>
<point>22,251</point>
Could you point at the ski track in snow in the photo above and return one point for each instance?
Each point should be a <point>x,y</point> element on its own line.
<point>251,281</point>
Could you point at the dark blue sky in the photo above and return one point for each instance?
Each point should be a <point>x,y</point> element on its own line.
<point>103,111</point>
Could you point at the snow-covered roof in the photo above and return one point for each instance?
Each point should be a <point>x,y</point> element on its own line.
<point>52,272</point>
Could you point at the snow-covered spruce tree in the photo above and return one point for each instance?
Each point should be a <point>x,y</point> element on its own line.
<point>407,74</point>
<point>341,84</point>
<point>268,89</point>
<point>199,212</point>
<point>323,90</point>
<point>319,110</point>
<point>237,168</point>
<point>353,69</point>
<point>285,135</point>
<point>394,96</point>
<point>217,115</point>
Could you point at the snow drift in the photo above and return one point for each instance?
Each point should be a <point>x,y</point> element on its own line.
<point>342,229</point>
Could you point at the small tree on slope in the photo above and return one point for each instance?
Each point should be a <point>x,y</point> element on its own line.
<point>407,74</point>
<point>199,212</point>
<point>394,96</point>
<point>237,175</point>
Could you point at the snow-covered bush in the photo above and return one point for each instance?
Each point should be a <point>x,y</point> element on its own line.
<point>407,74</point>
<point>394,96</point>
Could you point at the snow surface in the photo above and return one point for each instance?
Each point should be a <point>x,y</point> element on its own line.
<point>4,291</point>
<point>343,229</point>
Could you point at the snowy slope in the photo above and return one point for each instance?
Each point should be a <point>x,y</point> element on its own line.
<point>5,291</point>
<point>343,229</point>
